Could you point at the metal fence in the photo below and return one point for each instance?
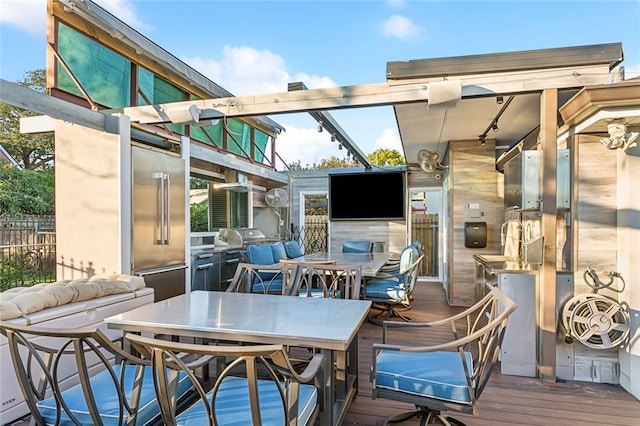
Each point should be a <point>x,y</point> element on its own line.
<point>313,235</point>
<point>27,250</point>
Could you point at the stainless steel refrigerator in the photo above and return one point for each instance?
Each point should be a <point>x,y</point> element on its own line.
<point>158,240</point>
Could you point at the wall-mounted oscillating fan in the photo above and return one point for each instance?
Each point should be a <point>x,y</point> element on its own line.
<point>277,198</point>
<point>430,162</point>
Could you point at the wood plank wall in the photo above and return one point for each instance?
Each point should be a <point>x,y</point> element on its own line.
<point>473,177</point>
<point>595,219</point>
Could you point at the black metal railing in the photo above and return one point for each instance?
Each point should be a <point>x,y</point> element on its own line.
<point>313,235</point>
<point>27,250</point>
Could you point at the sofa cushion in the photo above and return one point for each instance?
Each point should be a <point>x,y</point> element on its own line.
<point>279,252</point>
<point>260,255</point>
<point>293,249</point>
<point>20,301</point>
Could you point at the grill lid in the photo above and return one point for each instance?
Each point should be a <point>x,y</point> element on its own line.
<point>238,237</point>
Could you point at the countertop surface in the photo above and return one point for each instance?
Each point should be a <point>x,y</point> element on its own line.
<point>211,248</point>
<point>498,264</point>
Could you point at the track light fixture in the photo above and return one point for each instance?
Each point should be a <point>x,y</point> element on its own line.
<point>333,138</point>
<point>339,146</point>
<point>495,127</point>
<point>482,139</point>
<point>499,100</point>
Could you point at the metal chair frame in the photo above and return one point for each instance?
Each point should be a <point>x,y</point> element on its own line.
<point>39,359</point>
<point>253,363</point>
<point>477,332</point>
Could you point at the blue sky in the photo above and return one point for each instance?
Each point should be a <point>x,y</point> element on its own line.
<point>252,47</point>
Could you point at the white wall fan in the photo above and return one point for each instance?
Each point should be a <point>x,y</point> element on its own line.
<point>277,198</point>
<point>429,161</point>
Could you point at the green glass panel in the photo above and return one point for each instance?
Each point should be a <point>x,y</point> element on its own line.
<point>104,74</point>
<point>261,140</point>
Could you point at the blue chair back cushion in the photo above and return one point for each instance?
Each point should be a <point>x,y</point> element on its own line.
<point>105,392</point>
<point>356,246</point>
<point>233,408</point>
<point>438,375</point>
<point>260,255</point>
<point>293,249</point>
<point>279,252</point>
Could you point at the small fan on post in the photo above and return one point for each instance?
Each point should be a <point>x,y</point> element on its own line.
<point>430,162</point>
<point>277,198</point>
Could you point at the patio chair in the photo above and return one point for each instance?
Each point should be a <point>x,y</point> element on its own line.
<point>356,246</point>
<point>258,386</point>
<point>267,279</point>
<point>81,377</point>
<point>447,376</point>
<point>321,279</point>
<point>391,293</point>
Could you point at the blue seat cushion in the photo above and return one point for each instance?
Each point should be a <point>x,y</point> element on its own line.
<point>385,288</point>
<point>267,282</point>
<point>232,405</point>
<point>260,255</point>
<point>356,246</point>
<point>279,252</point>
<point>433,374</point>
<point>293,249</point>
<point>107,398</point>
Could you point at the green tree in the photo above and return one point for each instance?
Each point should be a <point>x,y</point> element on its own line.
<point>26,191</point>
<point>32,151</point>
<point>386,157</point>
<point>334,162</point>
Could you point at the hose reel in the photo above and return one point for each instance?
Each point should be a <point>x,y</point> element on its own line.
<point>596,321</point>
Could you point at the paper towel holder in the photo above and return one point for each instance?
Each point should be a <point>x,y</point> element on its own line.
<point>475,234</point>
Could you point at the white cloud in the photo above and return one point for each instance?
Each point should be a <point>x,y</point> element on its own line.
<point>244,71</point>
<point>29,16</point>
<point>307,145</point>
<point>401,27</point>
<point>396,3</point>
<point>389,140</point>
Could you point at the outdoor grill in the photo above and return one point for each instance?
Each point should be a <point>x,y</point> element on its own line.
<point>241,237</point>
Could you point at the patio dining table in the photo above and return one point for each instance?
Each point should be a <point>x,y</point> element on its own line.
<point>371,262</point>
<point>329,325</point>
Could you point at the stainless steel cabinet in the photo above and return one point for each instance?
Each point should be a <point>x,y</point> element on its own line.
<point>205,271</point>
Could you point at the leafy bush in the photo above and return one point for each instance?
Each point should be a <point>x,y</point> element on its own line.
<point>26,191</point>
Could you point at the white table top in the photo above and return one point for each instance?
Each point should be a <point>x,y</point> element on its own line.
<point>370,262</point>
<point>246,317</point>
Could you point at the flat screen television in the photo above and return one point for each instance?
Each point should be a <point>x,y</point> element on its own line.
<point>379,195</point>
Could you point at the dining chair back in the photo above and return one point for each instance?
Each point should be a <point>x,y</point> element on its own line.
<point>258,385</point>
<point>79,376</point>
<point>266,279</point>
<point>318,279</point>
<point>356,246</point>
<point>447,375</point>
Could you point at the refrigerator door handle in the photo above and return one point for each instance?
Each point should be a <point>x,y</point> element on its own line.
<point>159,176</point>
<point>167,197</point>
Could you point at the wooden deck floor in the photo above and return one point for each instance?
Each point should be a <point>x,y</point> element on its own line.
<point>507,400</point>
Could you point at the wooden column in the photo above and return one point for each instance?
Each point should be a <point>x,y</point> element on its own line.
<point>548,225</point>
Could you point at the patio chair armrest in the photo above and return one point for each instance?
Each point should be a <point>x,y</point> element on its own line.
<point>312,369</point>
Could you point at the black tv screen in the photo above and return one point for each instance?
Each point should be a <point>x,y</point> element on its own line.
<point>367,196</point>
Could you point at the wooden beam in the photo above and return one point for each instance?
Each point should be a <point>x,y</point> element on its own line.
<point>25,98</point>
<point>548,226</point>
<point>285,102</point>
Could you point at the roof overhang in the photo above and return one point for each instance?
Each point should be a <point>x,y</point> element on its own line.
<point>487,82</point>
